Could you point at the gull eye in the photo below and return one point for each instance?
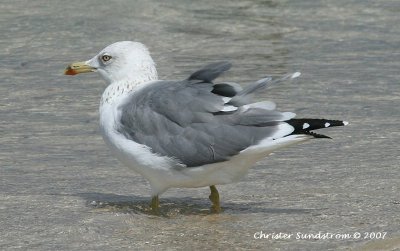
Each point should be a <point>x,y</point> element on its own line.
<point>106,58</point>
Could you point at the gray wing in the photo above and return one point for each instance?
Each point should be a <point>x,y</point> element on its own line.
<point>193,120</point>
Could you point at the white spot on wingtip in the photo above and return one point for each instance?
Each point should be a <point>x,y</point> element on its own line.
<point>345,123</point>
<point>327,124</point>
<point>295,75</point>
<point>306,125</point>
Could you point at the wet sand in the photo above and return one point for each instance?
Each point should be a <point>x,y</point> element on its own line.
<point>60,188</point>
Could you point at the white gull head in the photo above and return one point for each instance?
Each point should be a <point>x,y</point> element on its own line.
<point>124,65</point>
<point>125,61</point>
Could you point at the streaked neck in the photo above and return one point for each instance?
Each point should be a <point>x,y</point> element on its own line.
<point>123,87</point>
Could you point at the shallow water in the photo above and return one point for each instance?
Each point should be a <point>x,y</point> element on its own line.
<point>60,188</point>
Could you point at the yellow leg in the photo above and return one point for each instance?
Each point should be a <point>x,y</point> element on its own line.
<point>214,197</point>
<point>155,204</point>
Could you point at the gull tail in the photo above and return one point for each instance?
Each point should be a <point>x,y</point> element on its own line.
<point>305,126</point>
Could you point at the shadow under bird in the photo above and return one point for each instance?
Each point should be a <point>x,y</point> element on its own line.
<point>192,132</point>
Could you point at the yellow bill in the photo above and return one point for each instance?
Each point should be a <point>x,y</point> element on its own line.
<point>78,67</point>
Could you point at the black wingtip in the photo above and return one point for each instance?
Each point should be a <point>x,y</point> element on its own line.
<point>317,136</point>
<point>315,124</point>
<point>305,126</point>
<point>210,72</point>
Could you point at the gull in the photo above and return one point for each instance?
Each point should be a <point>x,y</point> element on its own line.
<point>192,132</point>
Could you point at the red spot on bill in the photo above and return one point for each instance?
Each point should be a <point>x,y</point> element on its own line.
<point>70,71</point>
